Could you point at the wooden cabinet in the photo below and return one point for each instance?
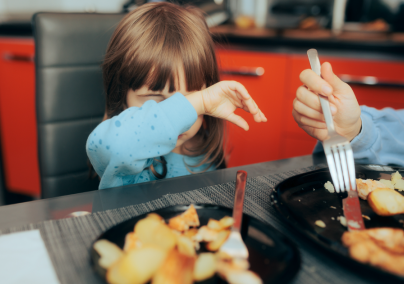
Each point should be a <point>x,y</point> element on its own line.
<point>262,141</point>
<point>18,117</point>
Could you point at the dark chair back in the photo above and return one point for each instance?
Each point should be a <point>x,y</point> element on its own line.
<point>69,49</point>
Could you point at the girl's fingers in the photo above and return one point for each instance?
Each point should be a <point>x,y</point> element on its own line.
<point>240,89</point>
<point>238,120</point>
<point>308,98</point>
<point>305,110</point>
<point>315,82</point>
<point>304,121</point>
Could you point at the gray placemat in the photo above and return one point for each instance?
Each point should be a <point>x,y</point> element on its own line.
<point>68,241</point>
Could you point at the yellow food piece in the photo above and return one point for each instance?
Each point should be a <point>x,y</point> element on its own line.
<point>164,237</point>
<point>399,185</point>
<point>153,231</point>
<point>108,251</point>
<point>205,266</point>
<point>226,222</point>
<point>329,186</point>
<point>387,183</point>
<point>176,269</point>
<point>155,216</point>
<point>366,186</point>
<point>320,223</point>
<point>386,202</point>
<point>395,177</point>
<point>190,233</point>
<point>205,235</point>
<point>131,242</point>
<point>144,229</point>
<point>214,225</point>
<point>219,241</point>
<point>186,220</point>
<point>186,246</point>
<point>136,266</point>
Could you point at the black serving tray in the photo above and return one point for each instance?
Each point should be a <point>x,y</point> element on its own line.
<point>272,256</point>
<point>302,199</point>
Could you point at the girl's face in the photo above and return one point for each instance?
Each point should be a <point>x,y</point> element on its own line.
<point>140,96</point>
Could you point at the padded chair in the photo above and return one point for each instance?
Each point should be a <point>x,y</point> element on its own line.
<point>69,49</point>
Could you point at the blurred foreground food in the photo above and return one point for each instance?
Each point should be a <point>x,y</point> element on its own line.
<point>160,252</point>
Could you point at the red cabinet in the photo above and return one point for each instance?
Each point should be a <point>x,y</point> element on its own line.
<point>262,141</point>
<point>274,91</point>
<point>17,116</point>
<point>296,141</point>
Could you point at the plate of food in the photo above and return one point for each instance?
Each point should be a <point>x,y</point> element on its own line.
<point>308,202</point>
<point>180,244</point>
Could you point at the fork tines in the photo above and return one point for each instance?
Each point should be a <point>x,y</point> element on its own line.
<point>341,164</point>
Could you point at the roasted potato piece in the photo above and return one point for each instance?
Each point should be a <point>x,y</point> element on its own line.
<point>176,269</point>
<point>214,225</point>
<point>226,222</point>
<point>186,246</point>
<point>164,237</point>
<point>366,186</point>
<point>137,266</point>
<point>190,233</point>
<point>205,266</point>
<point>237,273</point>
<point>144,229</point>
<point>219,241</point>
<point>186,220</point>
<point>108,251</point>
<point>205,235</point>
<point>131,242</point>
<point>155,216</point>
<point>153,231</point>
<point>380,247</point>
<point>386,202</point>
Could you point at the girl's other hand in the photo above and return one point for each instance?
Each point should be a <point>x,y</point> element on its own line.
<point>223,98</point>
<point>344,106</point>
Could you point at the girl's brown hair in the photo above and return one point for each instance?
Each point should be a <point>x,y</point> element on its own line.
<point>149,47</point>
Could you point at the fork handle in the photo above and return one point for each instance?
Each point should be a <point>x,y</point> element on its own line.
<point>241,180</point>
<point>325,104</point>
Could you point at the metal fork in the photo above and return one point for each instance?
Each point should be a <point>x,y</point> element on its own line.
<point>234,246</point>
<point>337,148</point>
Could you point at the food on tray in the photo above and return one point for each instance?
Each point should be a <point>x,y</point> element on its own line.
<point>108,251</point>
<point>205,266</point>
<point>158,252</point>
<point>342,220</point>
<point>387,183</point>
<point>320,223</point>
<point>386,202</point>
<point>329,186</point>
<point>184,221</point>
<point>366,186</point>
<point>380,247</point>
<point>176,269</point>
<point>136,266</point>
<point>219,241</point>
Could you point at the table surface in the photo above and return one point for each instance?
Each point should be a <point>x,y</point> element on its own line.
<point>317,265</point>
<point>100,200</point>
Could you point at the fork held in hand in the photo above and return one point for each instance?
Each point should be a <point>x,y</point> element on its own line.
<point>234,246</point>
<point>337,148</point>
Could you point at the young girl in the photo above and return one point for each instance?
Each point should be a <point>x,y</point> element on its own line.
<point>164,105</point>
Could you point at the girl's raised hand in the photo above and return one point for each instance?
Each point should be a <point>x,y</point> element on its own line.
<point>307,110</point>
<point>223,98</point>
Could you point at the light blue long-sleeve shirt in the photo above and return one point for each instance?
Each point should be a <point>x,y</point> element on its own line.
<point>121,149</point>
<point>381,140</point>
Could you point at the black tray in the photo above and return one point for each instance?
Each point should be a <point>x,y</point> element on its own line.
<point>272,256</point>
<point>302,200</point>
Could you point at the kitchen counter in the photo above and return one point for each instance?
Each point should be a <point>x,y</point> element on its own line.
<point>366,45</point>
